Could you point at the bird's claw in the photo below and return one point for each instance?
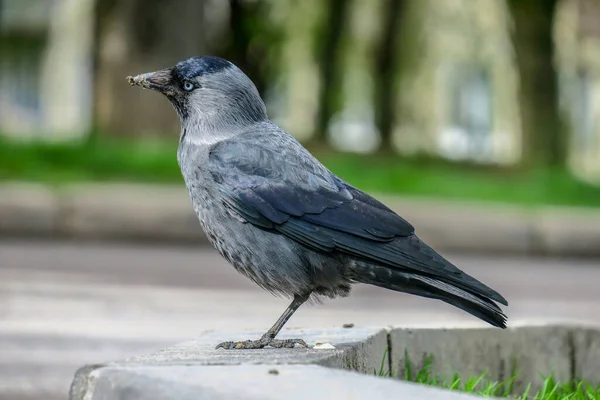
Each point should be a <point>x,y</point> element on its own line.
<point>262,343</point>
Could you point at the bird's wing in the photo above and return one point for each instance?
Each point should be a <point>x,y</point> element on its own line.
<point>291,193</point>
<point>270,190</point>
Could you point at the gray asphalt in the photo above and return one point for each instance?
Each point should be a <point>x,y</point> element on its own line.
<point>63,304</point>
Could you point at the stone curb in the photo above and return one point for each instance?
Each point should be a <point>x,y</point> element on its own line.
<point>255,382</point>
<point>195,370</point>
<point>164,213</point>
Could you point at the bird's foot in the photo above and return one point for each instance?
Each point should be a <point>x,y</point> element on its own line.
<point>261,343</point>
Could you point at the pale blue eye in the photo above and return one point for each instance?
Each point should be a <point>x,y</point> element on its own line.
<point>187,86</point>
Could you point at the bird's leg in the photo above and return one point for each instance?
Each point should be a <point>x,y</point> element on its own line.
<point>268,339</point>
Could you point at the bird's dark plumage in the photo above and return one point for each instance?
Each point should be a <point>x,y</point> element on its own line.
<point>284,220</point>
<point>326,214</point>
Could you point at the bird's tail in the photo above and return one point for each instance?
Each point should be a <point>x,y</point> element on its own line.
<point>423,285</point>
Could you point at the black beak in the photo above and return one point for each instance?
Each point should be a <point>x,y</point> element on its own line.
<point>159,80</point>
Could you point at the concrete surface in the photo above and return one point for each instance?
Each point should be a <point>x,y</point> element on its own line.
<point>566,230</point>
<point>567,352</point>
<point>28,209</point>
<point>253,382</point>
<point>527,351</point>
<point>67,304</point>
<point>119,211</point>
<point>586,354</point>
<point>124,211</point>
<point>361,350</point>
<point>357,349</point>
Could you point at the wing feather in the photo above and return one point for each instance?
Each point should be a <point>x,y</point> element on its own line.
<point>302,200</point>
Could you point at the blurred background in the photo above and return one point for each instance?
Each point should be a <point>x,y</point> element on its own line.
<point>485,99</point>
<point>453,101</point>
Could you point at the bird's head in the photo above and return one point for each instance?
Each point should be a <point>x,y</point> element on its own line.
<point>207,91</point>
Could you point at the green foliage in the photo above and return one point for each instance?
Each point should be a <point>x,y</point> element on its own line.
<point>155,161</point>
<point>482,385</point>
<point>105,160</point>
<point>392,174</point>
<point>382,370</point>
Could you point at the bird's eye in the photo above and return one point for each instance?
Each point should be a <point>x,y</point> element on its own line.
<point>188,86</point>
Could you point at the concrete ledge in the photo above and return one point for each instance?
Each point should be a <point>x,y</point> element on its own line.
<point>164,213</point>
<point>360,350</point>
<point>125,211</point>
<point>526,351</point>
<point>566,352</point>
<point>195,368</point>
<point>357,349</point>
<point>254,382</point>
<point>469,226</point>
<point>585,344</point>
<point>570,231</point>
<point>27,209</point>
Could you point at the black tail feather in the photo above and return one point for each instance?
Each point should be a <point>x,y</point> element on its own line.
<point>494,318</point>
<point>472,302</point>
<point>475,304</point>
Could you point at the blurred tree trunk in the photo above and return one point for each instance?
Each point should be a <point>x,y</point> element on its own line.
<point>386,68</point>
<point>137,36</point>
<point>250,39</point>
<point>335,22</point>
<point>544,136</point>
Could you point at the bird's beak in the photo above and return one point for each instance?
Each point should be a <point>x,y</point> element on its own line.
<point>159,80</point>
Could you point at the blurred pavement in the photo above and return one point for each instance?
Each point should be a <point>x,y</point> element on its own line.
<point>120,212</point>
<point>63,305</point>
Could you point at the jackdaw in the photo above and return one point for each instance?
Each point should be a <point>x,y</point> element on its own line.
<point>283,219</point>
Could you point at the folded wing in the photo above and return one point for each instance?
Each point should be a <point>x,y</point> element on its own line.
<point>292,194</point>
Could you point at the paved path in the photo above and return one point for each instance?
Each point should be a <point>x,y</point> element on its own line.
<point>63,305</point>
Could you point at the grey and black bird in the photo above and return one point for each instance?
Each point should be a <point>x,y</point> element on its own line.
<point>283,219</point>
